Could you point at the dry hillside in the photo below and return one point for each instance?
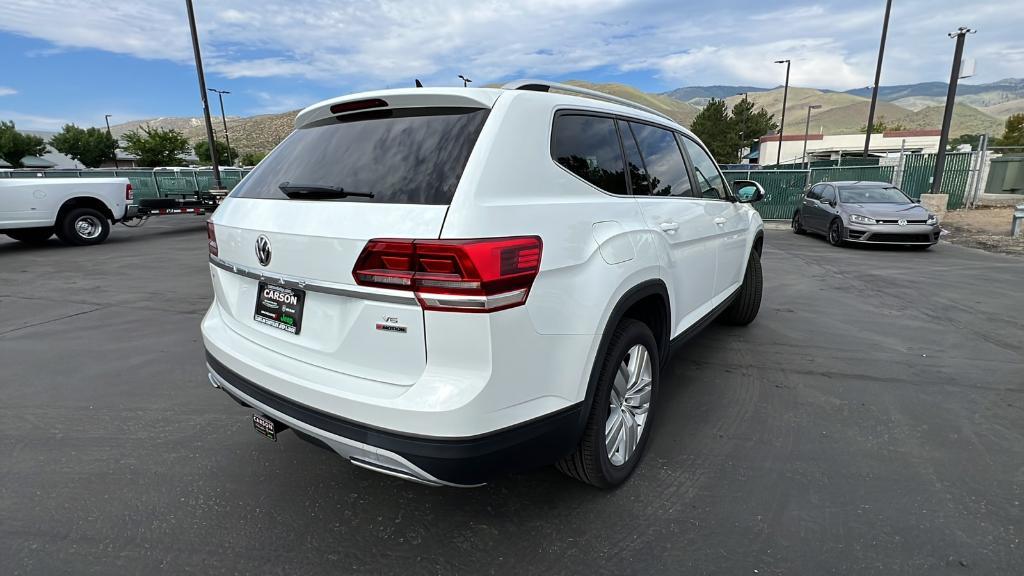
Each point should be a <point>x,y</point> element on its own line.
<point>841,113</point>
<point>676,109</point>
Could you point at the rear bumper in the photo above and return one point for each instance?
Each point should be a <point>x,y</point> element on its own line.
<point>435,461</point>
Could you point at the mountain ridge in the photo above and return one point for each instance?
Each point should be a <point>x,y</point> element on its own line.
<point>841,112</point>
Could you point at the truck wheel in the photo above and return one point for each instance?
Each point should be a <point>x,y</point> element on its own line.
<point>745,306</point>
<point>619,425</point>
<point>31,235</point>
<point>83,227</point>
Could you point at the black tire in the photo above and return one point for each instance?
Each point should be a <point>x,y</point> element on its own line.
<point>69,231</point>
<point>31,235</point>
<point>590,462</point>
<point>798,224</point>
<point>835,232</point>
<point>747,303</point>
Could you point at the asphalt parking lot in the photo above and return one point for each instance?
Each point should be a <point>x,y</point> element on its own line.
<point>871,421</point>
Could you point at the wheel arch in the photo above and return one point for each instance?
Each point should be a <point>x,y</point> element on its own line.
<point>84,202</point>
<point>647,302</point>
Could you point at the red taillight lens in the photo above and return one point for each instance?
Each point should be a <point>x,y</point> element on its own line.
<point>482,275</point>
<point>211,237</point>
<point>128,194</point>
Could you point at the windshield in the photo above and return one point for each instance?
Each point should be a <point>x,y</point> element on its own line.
<point>873,195</point>
<point>400,156</point>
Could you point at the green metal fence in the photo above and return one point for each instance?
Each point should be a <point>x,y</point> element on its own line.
<point>918,170</point>
<point>872,173</point>
<point>147,183</point>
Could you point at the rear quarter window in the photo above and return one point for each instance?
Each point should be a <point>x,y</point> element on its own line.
<point>588,146</point>
<point>402,156</point>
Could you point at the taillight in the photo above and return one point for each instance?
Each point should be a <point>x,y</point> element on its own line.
<point>128,194</point>
<point>481,275</point>
<point>211,237</point>
<point>357,105</point>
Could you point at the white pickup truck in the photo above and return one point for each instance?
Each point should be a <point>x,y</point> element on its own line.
<point>78,210</point>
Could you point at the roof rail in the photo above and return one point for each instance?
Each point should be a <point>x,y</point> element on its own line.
<point>545,86</point>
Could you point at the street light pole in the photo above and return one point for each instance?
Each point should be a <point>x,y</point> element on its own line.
<point>106,118</point>
<point>947,118</point>
<point>878,78</point>
<point>807,131</point>
<point>782,123</point>
<point>202,94</point>
<point>227,139</point>
<point>465,81</point>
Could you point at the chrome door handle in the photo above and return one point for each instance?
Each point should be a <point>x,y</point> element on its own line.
<point>669,227</point>
<point>720,221</point>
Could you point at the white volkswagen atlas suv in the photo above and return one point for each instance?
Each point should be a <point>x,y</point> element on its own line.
<point>448,284</point>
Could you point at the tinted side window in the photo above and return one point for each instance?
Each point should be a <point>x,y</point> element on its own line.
<point>588,146</point>
<point>828,194</point>
<point>815,192</point>
<point>710,182</point>
<point>637,173</point>
<point>666,169</point>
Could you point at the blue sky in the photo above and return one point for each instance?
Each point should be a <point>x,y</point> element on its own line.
<point>76,60</point>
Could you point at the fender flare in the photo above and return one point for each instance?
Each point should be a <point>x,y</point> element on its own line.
<point>651,287</point>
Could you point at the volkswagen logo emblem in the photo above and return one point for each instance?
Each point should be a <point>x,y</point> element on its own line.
<point>901,222</point>
<point>263,250</point>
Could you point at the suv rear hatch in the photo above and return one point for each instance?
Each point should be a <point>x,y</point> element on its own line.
<point>301,219</point>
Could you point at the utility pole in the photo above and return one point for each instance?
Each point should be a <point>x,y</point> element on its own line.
<point>947,118</point>
<point>202,94</point>
<point>782,123</point>
<point>807,130</point>
<point>227,139</point>
<point>106,118</point>
<point>878,78</point>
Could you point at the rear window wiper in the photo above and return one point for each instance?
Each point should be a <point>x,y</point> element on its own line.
<point>296,190</point>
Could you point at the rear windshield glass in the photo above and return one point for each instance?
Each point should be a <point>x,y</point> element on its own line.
<point>872,195</point>
<point>401,156</point>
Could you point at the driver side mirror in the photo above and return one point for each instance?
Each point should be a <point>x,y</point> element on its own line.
<point>748,191</point>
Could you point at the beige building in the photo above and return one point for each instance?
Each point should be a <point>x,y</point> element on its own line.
<point>829,147</point>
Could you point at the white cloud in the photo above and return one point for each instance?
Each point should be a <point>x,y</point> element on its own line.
<point>33,121</point>
<point>818,62</point>
<point>5,91</point>
<point>372,42</point>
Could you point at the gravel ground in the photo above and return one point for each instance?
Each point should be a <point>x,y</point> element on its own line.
<point>984,228</point>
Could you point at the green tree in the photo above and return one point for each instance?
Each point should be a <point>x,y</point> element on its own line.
<point>1013,134</point>
<point>974,140</point>
<point>749,125</point>
<point>880,125</point>
<point>14,145</point>
<point>156,146</point>
<point>252,158</point>
<point>715,128</point>
<point>202,150</point>
<point>90,146</point>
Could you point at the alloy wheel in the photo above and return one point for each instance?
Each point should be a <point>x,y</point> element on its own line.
<point>629,405</point>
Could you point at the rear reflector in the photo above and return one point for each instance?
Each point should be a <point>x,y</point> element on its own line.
<point>211,237</point>
<point>128,194</point>
<point>480,275</point>
<point>358,105</point>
